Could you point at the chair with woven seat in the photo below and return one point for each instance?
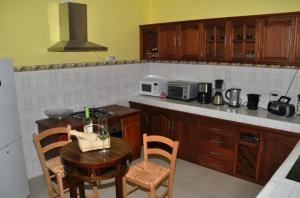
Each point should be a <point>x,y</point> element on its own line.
<point>149,175</point>
<point>52,168</point>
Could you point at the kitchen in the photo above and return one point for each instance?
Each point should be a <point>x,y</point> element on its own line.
<point>41,89</point>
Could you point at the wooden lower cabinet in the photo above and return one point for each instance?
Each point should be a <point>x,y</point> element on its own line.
<point>131,132</point>
<point>275,148</point>
<point>249,152</point>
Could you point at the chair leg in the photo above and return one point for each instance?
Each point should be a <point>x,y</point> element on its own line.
<point>124,183</point>
<point>170,187</point>
<point>60,185</point>
<point>152,193</point>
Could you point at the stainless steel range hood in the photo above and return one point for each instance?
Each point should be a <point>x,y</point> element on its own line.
<point>73,30</point>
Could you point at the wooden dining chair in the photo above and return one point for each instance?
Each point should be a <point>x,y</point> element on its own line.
<point>149,175</point>
<point>52,168</point>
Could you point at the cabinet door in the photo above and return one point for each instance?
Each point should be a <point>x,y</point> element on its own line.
<point>159,125</point>
<point>148,42</point>
<point>275,149</point>
<point>186,133</point>
<point>297,43</point>
<point>131,132</point>
<point>277,37</point>
<point>214,44</point>
<point>244,39</point>
<point>167,42</point>
<point>189,41</point>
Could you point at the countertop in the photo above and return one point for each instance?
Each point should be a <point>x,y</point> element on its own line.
<point>260,117</point>
<point>279,186</point>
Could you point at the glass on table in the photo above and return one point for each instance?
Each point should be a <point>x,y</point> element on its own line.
<point>103,133</point>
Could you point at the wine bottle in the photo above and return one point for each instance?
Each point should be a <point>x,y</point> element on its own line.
<point>88,122</point>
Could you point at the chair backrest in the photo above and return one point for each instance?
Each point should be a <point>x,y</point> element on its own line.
<point>41,150</point>
<point>38,137</point>
<point>159,151</point>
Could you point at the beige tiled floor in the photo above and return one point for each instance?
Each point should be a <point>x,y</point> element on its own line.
<point>191,181</point>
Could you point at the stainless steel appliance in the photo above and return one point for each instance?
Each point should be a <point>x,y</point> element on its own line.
<point>298,105</point>
<point>182,90</point>
<point>153,86</point>
<point>282,107</point>
<point>219,88</point>
<point>204,92</point>
<point>233,96</point>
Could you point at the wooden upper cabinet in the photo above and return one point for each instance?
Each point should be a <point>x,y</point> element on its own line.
<point>148,42</point>
<point>243,38</point>
<point>214,40</point>
<point>297,41</point>
<point>168,42</point>
<point>277,38</point>
<point>189,41</point>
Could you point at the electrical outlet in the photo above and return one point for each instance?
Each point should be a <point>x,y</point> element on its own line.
<point>274,95</point>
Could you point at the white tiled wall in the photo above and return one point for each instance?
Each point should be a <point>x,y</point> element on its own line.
<point>99,86</point>
<point>73,88</point>
<point>249,79</point>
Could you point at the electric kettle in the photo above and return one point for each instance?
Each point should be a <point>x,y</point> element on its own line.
<point>233,96</point>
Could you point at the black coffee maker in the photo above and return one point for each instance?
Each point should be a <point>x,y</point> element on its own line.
<point>205,92</point>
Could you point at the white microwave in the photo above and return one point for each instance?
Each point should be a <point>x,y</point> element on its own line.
<point>153,86</point>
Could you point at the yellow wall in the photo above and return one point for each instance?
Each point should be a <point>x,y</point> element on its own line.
<point>29,27</point>
<point>176,10</point>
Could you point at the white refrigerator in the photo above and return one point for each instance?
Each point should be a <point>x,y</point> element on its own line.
<point>13,182</point>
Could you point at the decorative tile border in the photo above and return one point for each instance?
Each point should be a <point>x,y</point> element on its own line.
<point>122,62</point>
<point>75,65</point>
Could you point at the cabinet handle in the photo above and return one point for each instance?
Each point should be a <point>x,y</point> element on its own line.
<point>175,43</point>
<point>214,153</point>
<point>215,129</point>
<point>262,146</point>
<point>169,125</point>
<point>215,141</point>
<point>214,165</point>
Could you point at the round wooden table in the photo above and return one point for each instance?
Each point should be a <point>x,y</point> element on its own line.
<point>95,165</point>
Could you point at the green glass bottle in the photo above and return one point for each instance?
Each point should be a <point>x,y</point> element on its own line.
<point>88,122</point>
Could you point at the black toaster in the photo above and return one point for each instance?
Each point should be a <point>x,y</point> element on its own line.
<point>282,107</point>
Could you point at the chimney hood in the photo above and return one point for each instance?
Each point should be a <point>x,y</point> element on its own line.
<point>73,30</point>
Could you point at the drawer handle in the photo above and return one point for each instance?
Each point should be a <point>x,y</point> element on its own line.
<point>214,165</point>
<point>215,141</point>
<point>214,153</point>
<point>215,129</point>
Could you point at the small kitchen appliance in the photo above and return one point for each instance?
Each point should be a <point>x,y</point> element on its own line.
<point>253,100</point>
<point>219,88</point>
<point>153,86</point>
<point>282,107</point>
<point>182,90</point>
<point>233,96</point>
<point>298,105</point>
<point>204,92</point>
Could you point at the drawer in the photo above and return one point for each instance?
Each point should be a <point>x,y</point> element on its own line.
<point>217,140</point>
<point>216,164</point>
<point>218,127</point>
<point>216,152</point>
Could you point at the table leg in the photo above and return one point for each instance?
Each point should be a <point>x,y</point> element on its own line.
<point>118,182</point>
<point>72,186</point>
<point>81,189</point>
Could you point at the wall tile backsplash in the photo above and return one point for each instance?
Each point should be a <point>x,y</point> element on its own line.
<point>250,79</point>
<point>73,88</point>
<point>102,85</point>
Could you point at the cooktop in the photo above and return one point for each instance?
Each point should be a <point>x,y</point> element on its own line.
<point>294,173</point>
<point>94,112</point>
